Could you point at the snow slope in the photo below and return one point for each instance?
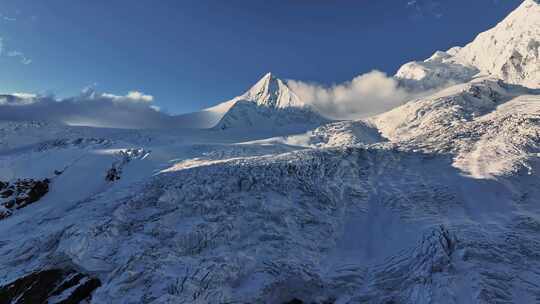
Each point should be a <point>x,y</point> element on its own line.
<point>207,118</point>
<point>509,51</point>
<point>310,224</point>
<point>438,71</point>
<point>491,127</point>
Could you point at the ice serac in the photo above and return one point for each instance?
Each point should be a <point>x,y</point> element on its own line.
<point>510,51</point>
<point>269,104</point>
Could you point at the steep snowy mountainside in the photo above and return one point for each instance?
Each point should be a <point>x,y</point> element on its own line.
<point>508,140</point>
<point>424,117</point>
<point>272,92</point>
<point>484,123</point>
<point>270,104</point>
<point>509,51</point>
<point>249,116</point>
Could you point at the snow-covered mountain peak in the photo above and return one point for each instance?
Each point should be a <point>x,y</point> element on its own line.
<point>510,51</point>
<point>272,92</point>
<point>269,104</point>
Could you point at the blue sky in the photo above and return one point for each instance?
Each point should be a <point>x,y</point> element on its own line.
<point>191,54</point>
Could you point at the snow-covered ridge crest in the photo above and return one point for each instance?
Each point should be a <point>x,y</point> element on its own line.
<point>510,51</point>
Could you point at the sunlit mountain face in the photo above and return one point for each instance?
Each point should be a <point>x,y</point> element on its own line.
<point>417,185</point>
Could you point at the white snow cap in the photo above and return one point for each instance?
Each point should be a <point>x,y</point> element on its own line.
<point>509,51</point>
<point>272,92</point>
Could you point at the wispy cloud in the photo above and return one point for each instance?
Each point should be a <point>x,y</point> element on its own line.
<point>4,51</point>
<point>7,18</point>
<point>419,9</point>
<point>8,52</point>
<point>22,58</point>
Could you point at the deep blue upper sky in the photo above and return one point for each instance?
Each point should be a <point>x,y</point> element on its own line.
<point>191,54</point>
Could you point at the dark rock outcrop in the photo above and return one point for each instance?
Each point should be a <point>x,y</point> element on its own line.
<point>113,175</point>
<point>20,194</point>
<point>62,286</point>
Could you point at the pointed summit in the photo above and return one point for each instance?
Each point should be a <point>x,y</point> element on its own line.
<point>268,75</point>
<point>269,104</point>
<point>272,92</point>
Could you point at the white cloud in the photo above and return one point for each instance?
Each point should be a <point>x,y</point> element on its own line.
<point>138,96</point>
<point>133,110</point>
<point>17,99</point>
<point>365,95</point>
<point>22,58</point>
<point>133,96</point>
<point>24,95</point>
<point>6,51</point>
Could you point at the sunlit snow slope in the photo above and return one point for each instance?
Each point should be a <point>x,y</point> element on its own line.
<point>510,51</point>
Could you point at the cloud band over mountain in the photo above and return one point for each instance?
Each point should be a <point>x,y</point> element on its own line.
<point>132,111</point>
